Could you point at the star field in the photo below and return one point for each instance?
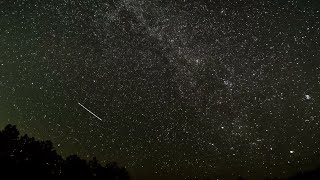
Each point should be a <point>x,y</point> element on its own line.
<point>182,88</point>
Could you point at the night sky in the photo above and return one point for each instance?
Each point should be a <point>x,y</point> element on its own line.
<point>167,88</point>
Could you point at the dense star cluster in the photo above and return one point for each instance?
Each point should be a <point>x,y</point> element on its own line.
<point>166,87</point>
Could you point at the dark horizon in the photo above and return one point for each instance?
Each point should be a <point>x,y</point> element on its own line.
<point>25,157</point>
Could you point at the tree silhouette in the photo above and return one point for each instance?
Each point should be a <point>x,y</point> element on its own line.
<point>74,166</point>
<point>23,156</point>
<point>310,175</point>
<point>26,157</point>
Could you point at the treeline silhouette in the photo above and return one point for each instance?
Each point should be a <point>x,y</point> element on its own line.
<point>308,175</point>
<point>23,156</point>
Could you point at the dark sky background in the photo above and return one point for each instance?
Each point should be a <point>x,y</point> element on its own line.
<point>183,88</point>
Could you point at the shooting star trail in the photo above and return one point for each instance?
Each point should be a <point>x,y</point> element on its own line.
<point>90,112</point>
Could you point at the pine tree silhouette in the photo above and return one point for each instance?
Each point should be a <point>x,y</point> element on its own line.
<point>26,157</point>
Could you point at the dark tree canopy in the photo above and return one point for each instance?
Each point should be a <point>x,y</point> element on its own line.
<point>23,156</point>
<point>310,175</point>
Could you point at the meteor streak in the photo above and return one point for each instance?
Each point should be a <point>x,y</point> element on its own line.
<point>90,111</point>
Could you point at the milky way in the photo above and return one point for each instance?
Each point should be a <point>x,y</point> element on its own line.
<point>182,88</point>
